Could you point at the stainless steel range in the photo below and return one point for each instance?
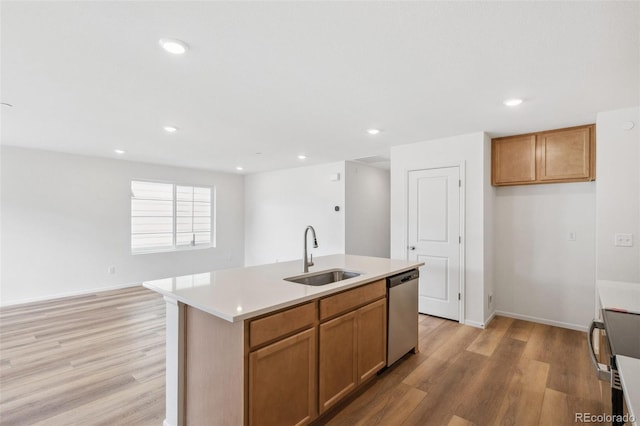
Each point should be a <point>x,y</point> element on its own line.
<point>623,334</point>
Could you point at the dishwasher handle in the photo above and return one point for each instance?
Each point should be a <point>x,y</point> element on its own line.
<point>402,278</point>
<point>603,371</point>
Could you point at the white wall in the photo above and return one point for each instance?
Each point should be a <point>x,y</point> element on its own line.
<point>280,204</point>
<point>471,150</point>
<point>489,234</point>
<point>367,213</point>
<point>539,274</point>
<point>618,194</point>
<point>66,218</point>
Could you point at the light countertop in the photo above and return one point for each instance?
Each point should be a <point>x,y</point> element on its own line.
<point>618,295</point>
<point>242,293</point>
<point>629,369</point>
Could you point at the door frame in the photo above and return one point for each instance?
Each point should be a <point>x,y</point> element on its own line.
<point>405,206</point>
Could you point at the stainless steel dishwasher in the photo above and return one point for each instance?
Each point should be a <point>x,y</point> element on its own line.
<point>402,323</point>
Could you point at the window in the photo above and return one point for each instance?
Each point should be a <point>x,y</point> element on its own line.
<point>166,216</point>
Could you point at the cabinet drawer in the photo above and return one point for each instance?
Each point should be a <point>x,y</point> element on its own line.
<point>351,299</point>
<point>281,323</point>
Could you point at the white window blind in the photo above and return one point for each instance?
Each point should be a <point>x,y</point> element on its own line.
<point>165,216</point>
<point>193,216</point>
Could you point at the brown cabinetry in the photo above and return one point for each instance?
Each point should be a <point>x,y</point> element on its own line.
<point>563,155</point>
<point>514,160</point>
<point>352,346</point>
<point>282,381</point>
<point>338,362</point>
<point>372,339</point>
<point>303,360</point>
<point>282,367</point>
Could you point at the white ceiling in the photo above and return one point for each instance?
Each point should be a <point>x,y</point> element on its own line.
<point>284,78</point>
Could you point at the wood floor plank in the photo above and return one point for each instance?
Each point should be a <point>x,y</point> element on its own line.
<point>351,413</point>
<point>457,342</point>
<point>382,407</point>
<point>487,342</point>
<point>540,344</point>
<point>481,400</point>
<point>520,330</point>
<point>430,342</point>
<point>110,408</point>
<point>459,421</point>
<point>555,409</point>
<point>398,412</point>
<point>522,404</point>
<point>443,388</point>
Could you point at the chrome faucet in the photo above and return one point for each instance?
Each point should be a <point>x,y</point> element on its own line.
<point>306,263</point>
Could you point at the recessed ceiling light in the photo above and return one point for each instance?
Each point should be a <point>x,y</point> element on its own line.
<point>512,102</point>
<point>302,157</point>
<point>239,168</point>
<point>119,151</point>
<point>170,129</point>
<point>174,46</point>
<point>373,131</point>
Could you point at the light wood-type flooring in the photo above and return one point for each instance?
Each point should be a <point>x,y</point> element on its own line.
<point>89,360</point>
<point>99,359</point>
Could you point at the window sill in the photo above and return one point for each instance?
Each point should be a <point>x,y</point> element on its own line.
<point>173,250</point>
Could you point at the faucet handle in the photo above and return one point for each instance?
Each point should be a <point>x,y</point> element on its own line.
<point>311,261</point>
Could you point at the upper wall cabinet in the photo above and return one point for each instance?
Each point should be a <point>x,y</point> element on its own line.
<point>563,155</point>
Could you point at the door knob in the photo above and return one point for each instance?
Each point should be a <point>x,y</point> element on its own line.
<point>411,247</point>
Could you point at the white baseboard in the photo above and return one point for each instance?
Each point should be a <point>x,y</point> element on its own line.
<point>491,317</point>
<point>66,294</point>
<point>543,321</point>
<point>474,323</point>
<point>480,324</point>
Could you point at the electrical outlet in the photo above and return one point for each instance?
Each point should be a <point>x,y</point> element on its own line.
<point>624,240</point>
<point>572,236</point>
<point>490,302</point>
<point>111,270</point>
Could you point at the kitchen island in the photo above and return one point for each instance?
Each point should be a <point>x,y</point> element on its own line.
<point>239,341</point>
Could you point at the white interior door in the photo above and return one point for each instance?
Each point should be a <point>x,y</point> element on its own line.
<point>434,238</point>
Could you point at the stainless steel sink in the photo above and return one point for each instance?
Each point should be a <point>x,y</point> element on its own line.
<point>324,277</point>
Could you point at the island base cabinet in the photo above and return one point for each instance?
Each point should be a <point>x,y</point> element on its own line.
<point>353,348</point>
<point>338,362</point>
<point>372,339</point>
<point>282,381</point>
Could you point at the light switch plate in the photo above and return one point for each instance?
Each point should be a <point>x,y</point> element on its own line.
<point>624,240</point>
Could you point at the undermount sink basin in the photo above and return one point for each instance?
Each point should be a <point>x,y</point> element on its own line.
<point>323,277</point>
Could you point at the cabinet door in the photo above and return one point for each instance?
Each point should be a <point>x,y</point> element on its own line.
<point>282,381</point>
<point>338,367</point>
<point>372,338</point>
<point>565,155</point>
<point>513,160</point>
